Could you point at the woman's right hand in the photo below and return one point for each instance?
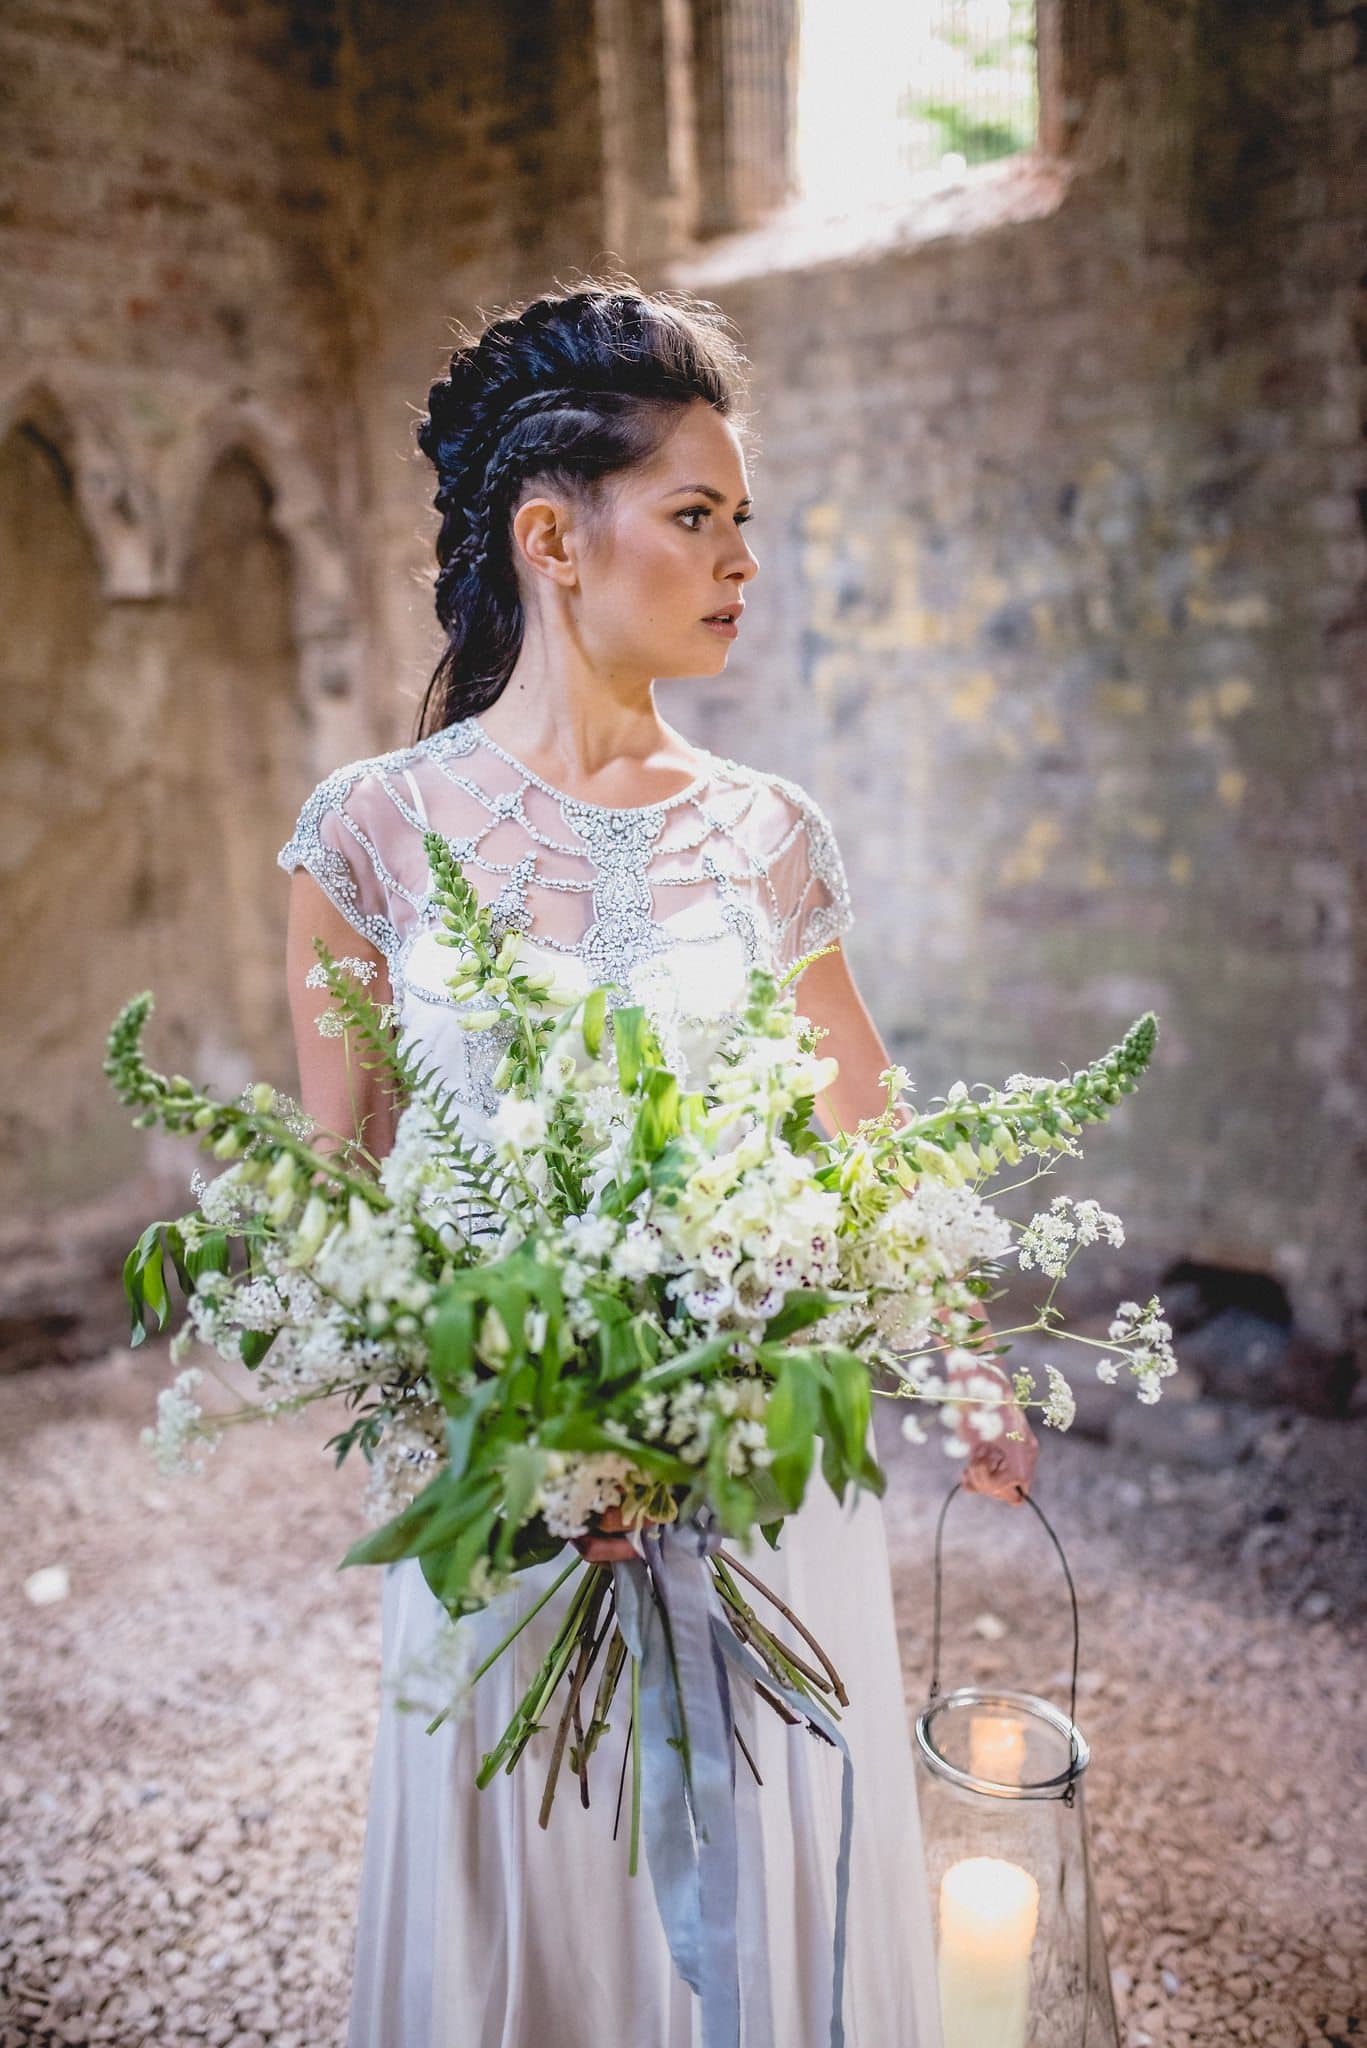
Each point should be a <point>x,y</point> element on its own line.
<point>608,1548</point>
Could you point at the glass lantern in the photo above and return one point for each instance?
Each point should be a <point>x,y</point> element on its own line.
<point>1021,1954</point>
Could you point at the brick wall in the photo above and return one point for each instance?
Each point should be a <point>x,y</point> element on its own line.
<point>1061,602</point>
<point>1058,496</point>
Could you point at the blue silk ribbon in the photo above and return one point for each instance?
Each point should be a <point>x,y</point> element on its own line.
<point>688,1811</point>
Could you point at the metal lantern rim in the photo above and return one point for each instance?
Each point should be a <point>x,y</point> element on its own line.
<point>1060,1787</point>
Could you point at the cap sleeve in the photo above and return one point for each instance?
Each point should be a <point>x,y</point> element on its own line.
<point>335,838</point>
<point>809,880</point>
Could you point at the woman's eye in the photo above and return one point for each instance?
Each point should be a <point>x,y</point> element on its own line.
<point>706,511</point>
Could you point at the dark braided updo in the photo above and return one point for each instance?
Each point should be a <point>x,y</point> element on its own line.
<point>570,389</point>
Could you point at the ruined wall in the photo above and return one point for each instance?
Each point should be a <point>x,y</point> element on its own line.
<point>1061,528</point>
<point>1061,550</point>
<point>183,547</point>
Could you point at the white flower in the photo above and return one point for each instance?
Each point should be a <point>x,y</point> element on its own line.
<point>1060,1406</point>
<point>228,1201</point>
<point>493,1341</point>
<point>517,1127</point>
<point>590,1236</point>
<point>363,971</point>
<point>913,1429</point>
<point>1148,1339</point>
<point>575,1487</point>
<point>641,1251</point>
<point>410,1453</point>
<point>558,1071</point>
<point>178,1416</point>
<point>1049,1236</point>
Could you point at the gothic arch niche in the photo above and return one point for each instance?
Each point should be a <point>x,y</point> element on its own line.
<point>68,861</point>
<point>234,758</point>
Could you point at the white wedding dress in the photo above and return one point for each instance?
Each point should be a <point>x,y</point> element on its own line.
<point>476,1927</point>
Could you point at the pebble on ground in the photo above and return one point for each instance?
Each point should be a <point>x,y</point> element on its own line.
<point>190,1688</point>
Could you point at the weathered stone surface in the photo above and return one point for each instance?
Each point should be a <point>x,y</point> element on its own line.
<point>1208,1434</point>
<point>1241,1356</point>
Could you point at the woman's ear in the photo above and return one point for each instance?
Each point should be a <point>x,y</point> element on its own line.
<point>545,537</point>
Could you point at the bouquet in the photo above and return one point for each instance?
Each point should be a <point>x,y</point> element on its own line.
<point>630,1292</point>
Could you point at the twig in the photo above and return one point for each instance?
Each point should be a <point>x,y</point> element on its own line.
<point>751,1629</point>
<point>586,1632</point>
<point>788,1615</point>
<point>783,1712</point>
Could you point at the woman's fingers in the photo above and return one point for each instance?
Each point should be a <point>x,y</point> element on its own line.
<point>1004,1471</point>
<point>604,1545</point>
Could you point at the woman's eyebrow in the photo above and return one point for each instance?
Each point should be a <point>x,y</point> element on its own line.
<point>706,491</point>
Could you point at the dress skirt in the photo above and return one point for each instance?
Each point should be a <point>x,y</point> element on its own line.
<point>477,1928</point>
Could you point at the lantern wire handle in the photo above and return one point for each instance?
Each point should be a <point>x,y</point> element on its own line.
<point>959,1487</point>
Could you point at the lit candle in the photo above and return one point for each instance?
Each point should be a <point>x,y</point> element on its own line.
<point>996,1748</point>
<point>989,1910</point>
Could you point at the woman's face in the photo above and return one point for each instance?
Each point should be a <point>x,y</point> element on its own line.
<point>671,551</point>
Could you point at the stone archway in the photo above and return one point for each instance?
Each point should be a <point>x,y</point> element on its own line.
<point>235,757</point>
<point>71,877</point>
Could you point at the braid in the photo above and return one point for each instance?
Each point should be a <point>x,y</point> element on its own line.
<point>615,365</point>
<point>508,465</point>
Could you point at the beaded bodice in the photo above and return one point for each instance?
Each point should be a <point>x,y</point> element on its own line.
<point>671,900</point>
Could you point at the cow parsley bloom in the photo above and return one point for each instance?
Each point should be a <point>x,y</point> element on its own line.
<point>575,1487</point>
<point>1060,1405</point>
<point>1148,1338</point>
<point>178,1418</point>
<point>1050,1236</point>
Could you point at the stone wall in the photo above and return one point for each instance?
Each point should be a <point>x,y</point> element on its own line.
<point>1062,523</point>
<point>1058,512</point>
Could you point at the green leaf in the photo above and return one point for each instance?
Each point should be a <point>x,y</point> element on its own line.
<point>451,1334</point>
<point>790,1426</point>
<point>462,1422</point>
<point>846,1405</point>
<point>174,1242</point>
<point>658,1120</point>
<point>637,1045</point>
<point>210,1255</point>
<point>523,1466</point>
<point>254,1344</point>
<point>435,1520</point>
<point>447,1571</point>
<point>144,1284</point>
<point>592,1019</point>
<point>804,1305</point>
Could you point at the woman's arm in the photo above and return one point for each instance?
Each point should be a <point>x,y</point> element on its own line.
<point>334,1088</point>
<point>328,1087</point>
<point>826,993</point>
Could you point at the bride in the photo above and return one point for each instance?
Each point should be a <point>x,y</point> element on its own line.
<point>590,456</point>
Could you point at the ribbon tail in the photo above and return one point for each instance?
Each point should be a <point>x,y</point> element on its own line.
<point>688,1598</point>
<point>672,1618</point>
<point>800,1703</point>
<point>664,1809</point>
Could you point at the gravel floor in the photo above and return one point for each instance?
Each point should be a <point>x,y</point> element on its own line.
<point>186,1734</point>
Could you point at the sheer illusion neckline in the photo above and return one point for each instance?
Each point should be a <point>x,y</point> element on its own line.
<point>663,803</point>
